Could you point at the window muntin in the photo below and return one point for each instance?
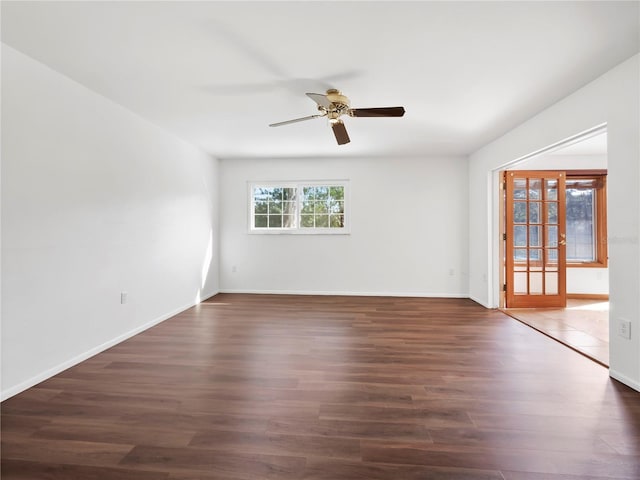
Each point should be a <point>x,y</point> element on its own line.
<point>322,206</point>
<point>303,207</point>
<point>274,207</point>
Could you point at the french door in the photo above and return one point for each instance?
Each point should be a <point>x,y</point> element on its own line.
<point>535,239</point>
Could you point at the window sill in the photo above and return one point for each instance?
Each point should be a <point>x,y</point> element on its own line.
<point>587,265</point>
<point>300,232</point>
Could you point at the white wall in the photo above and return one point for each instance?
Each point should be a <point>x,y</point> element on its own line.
<point>95,201</point>
<point>614,99</point>
<point>563,162</point>
<point>588,281</point>
<point>408,230</point>
<point>585,281</point>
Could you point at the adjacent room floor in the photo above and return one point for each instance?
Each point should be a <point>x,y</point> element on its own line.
<point>255,387</point>
<point>583,325</point>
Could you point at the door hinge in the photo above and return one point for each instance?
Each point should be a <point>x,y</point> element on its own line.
<point>504,236</point>
<point>504,287</point>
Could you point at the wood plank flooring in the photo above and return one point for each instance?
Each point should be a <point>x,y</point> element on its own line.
<point>254,387</point>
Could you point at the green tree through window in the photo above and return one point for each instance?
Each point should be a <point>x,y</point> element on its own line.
<point>298,207</point>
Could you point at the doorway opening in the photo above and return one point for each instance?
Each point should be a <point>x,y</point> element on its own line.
<point>553,243</point>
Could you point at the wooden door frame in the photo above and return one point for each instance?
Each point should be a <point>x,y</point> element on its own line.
<point>502,249</point>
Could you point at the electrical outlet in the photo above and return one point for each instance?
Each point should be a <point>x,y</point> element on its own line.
<point>624,329</point>
<point>123,297</point>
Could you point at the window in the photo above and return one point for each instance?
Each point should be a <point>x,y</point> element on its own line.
<point>586,223</point>
<point>274,207</point>
<point>305,207</point>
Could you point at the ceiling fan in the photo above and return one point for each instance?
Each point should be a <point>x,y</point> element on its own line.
<point>333,105</point>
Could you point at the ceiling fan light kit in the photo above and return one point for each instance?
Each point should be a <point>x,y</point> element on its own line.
<point>333,105</point>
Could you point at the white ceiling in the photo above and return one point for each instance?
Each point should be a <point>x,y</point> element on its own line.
<point>217,73</point>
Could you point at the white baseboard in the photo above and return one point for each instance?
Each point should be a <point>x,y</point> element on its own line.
<point>481,303</point>
<point>41,377</point>
<point>624,379</point>
<point>345,294</point>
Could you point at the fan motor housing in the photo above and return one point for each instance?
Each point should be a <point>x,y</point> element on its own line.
<point>336,97</point>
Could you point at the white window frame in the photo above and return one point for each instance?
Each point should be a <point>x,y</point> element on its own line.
<point>299,185</point>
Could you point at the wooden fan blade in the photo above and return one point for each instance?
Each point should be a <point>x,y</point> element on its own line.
<point>377,112</point>
<point>295,120</point>
<point>320,99</point>
<point>340,131</point>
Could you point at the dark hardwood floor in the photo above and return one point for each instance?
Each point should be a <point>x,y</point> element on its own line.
<point>299,387</point>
